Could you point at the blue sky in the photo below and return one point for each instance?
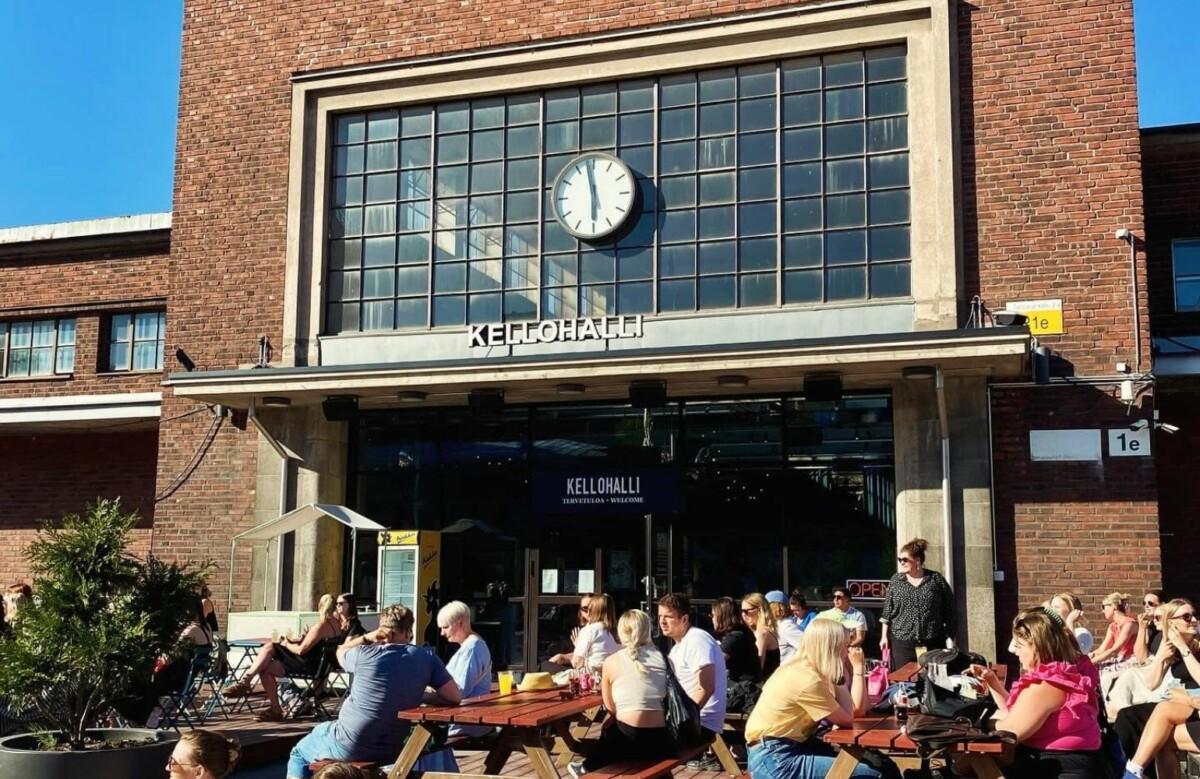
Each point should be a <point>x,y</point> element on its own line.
<point>87,127</point>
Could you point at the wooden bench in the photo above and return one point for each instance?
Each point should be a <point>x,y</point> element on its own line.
<point>647,769</point>
<point>456,742</point>
<point>362,765</point>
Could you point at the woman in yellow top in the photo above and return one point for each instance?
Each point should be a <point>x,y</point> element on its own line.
<point>781,731</point>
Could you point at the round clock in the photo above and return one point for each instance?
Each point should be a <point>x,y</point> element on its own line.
<point>593,195</point>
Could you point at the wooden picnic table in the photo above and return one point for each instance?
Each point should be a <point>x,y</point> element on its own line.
<point>908,672</point>
<point>884,734</point>
<point>525,720</point>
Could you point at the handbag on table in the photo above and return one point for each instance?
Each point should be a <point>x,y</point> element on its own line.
<point>877,679</point>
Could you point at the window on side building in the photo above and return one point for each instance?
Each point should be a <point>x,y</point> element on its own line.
<point>38,348</point>
<point>766,184</point>
<point>1186,259</point>
<point>136,341</point>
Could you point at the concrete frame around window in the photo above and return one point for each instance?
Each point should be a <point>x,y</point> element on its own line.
<point>927,27</point>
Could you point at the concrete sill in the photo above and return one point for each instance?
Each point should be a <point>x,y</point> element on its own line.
<point>28,379</point>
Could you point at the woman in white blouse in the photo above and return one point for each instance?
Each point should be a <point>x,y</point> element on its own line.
<point>595,641</point>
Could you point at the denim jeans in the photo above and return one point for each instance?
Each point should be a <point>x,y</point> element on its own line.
<point>781,758</point>
<point>317,745</point>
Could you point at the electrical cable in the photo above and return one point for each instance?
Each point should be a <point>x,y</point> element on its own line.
<point>194,462</point>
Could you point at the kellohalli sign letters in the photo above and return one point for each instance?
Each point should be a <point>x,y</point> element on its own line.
<point>602,328</point>
<point>605,491</point>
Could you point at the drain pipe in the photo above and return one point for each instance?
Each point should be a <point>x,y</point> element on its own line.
<point>947,526</point>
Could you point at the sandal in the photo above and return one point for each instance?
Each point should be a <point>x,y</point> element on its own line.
<point>236,690</point>
<point>269,715</point>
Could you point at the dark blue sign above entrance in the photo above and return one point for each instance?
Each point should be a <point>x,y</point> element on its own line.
<point>605,491</point>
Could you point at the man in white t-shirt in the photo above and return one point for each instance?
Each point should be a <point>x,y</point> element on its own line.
<point>697,660</point>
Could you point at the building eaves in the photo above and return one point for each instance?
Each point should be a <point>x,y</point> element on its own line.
<point>135,233</point>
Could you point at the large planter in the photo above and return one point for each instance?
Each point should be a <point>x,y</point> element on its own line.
<point>20,757</point>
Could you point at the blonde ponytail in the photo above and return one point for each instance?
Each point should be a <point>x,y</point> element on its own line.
<point>634,631</point>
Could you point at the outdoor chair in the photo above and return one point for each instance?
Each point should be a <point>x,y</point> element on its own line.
<point>302,690</point>
<point>177,705</point>
<point>215,677</point>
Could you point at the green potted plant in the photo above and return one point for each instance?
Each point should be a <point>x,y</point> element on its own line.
<point>100,620</point>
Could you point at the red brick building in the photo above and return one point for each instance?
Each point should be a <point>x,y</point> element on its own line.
<point>428,214</point>
<point>1171,174</point>
<point>79,414</point>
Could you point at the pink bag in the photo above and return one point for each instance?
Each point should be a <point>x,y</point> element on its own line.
<point>877,679</point>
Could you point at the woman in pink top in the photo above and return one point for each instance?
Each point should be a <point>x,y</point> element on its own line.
<point>1053,708</point>
<point>1122,631</point>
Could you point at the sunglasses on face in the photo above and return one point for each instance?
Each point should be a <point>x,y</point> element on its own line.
<point>750,610</point>
<point>173,763</point>
<point>904,559</point>
<point>1187,616</point>
<point>1150,604</point>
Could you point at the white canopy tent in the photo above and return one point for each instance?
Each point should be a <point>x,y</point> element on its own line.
<point>298,518</point>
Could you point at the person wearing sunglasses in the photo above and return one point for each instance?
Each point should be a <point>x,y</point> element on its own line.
<point>760,621</point>
<point>1121,634</point>
<point>919,612</point>
<point>1155,732</point>
<point>850,618</point>
<point>202,754</point>
<point>1149,632</point>
<point>1053,708</point>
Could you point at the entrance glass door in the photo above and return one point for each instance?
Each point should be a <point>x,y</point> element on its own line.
<point>584,556</point>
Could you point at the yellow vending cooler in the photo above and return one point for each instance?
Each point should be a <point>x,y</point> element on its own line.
<point>410,563</point>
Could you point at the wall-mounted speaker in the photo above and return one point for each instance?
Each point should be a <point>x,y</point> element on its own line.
<point>648,394</point>
<point>486,402</point>
<point>340,408</point>
<point>823,387</point>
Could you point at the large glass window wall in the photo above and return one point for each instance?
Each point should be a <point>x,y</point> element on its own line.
<point>768,184</point>
<point>774,491</point>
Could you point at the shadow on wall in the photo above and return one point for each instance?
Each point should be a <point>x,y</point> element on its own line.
<point>1090,527</point>
<point>46,476</point>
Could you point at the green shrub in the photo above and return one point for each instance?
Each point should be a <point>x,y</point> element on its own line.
<point>100,620</point>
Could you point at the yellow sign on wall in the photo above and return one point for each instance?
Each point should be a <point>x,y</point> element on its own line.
<point>1045,316</point>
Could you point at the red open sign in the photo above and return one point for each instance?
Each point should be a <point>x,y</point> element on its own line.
<point>867,589</point>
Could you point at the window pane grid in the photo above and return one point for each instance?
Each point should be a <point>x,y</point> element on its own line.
<point>765,184</point>
<point>39,348</point>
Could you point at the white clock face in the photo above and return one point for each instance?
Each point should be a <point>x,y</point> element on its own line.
<point>593,195</point>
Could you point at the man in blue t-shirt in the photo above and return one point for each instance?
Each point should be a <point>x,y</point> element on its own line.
<point>390,675</point>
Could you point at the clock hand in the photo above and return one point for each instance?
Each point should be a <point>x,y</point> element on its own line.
<point>591,174</point>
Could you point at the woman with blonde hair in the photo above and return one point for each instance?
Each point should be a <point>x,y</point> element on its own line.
<point>1155,731</point>
<point>633,685</point>
<point>1070,608</point>
<point>1053,708</point>
<point>594,642</point>
<point>1121,634</point>
<point>277,660</point>
<point>781,731</point>
<point>760,621</point>
<point>202,754</point>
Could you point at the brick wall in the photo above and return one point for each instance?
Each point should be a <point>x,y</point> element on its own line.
<point>1091,528</point>
<point>1179,500</point>
<point>1050,157</point>
<point>1171,173</point>
<point>89,286</point>
<point>46,476</point>
<point>1171,170</point>
<point>1049,151</point>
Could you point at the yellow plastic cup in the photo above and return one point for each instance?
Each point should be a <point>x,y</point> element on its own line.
<point>506,682</point>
